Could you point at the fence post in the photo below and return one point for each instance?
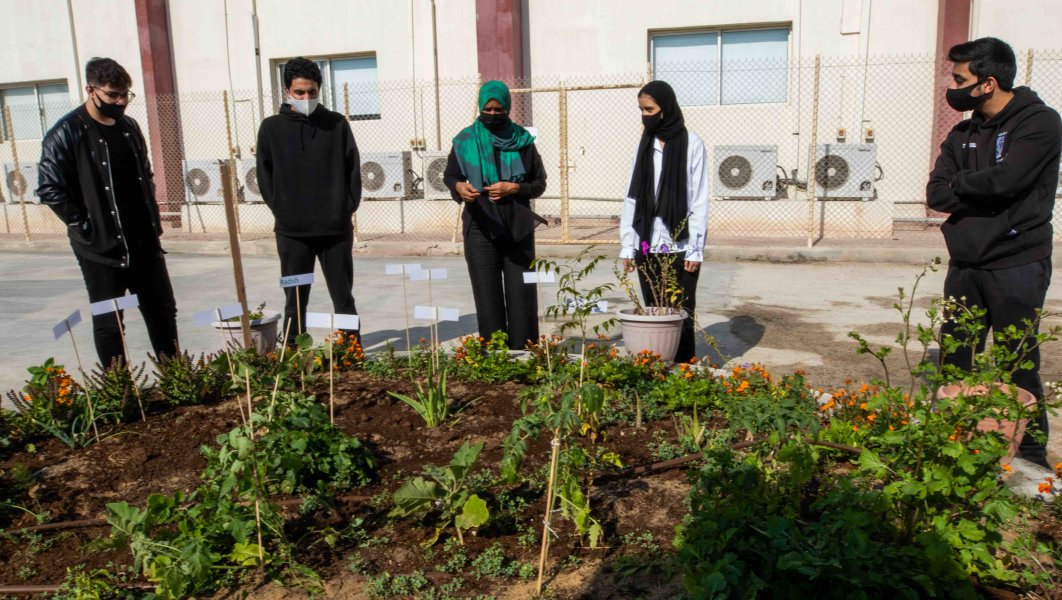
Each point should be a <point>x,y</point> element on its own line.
<point>233,185</point>
<point>812,152</point>
<point>1028,67</point>
<point>562,102</point>
<point>346,117</point>
<point>18,170</point>
<point>3,200</point>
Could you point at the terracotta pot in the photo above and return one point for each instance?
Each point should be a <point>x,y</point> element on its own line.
<point>1012,430</point>
<point>657,333</point>
<point>263,331</point>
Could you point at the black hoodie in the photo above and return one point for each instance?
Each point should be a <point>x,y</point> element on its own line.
<point>309,172</point>
<point>997,180</point>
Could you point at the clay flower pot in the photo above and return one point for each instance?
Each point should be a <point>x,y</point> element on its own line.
<point>263,331</point>
<point>658,333</point>
<point>1012,430</point>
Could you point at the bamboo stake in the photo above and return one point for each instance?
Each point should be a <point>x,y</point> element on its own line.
<point>546,529</point>
<point>88,397</point>
<point>813,152</point>
<point>254,465</point>
<point>234,249</point>
<point>331,372</point>
<point>405,302</point>
<point>14,158</point>
<point>228,355</point>
<point>276,381</point>
<point>232,164</point>
<point>128,363</point>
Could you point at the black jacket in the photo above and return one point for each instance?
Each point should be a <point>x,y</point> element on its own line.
<point>997,180</point>
<point>309,172</point>
<point>511,217</point>
<point>75,181</point>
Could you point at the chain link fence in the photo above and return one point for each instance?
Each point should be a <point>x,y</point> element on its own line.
<point>824,149</point>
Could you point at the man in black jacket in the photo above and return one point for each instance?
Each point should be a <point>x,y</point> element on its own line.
<point>309,173</point>
<point>996,178</point>
<point>95,175</point>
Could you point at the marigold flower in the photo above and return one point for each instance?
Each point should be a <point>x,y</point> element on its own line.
<point>1058,469</point>
<point>1046,487</point>
<point>1007,468</point>
<point>871,418</point>
<point>855,427</point>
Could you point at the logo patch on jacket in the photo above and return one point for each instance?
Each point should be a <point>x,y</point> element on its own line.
<point>1000,140</point>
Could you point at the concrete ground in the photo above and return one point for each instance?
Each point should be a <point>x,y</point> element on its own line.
<point>786,315</point>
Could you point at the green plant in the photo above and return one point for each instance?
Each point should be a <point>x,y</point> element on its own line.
<point>95,584</point>
<point>431,403</point>
<point>476,359</point>
<point>493,563</point>
<point>298,449</point>
<point>446,491</point>
<point>183,379</point>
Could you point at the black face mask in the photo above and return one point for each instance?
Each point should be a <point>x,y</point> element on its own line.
<point>111,111</point>
<point>962,100</point>
<point>652,122</point>
<point>494,122</point>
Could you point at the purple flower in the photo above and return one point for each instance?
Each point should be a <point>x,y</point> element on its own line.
<point>664,248</point>
<point>645,248</point>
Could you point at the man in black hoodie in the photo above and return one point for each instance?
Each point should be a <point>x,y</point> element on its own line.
<point>309,173</point>
<point>996,178</point>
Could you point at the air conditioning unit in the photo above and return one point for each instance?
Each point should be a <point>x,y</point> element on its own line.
<point>844,171</point>
<point>247,177</point>
<point>434,165</point>
<point>21,185</point>
<point>202,182</point>
<point>386,175</point>
<point>745,171</point>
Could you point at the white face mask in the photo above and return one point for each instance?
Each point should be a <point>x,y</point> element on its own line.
<point>304,107</point>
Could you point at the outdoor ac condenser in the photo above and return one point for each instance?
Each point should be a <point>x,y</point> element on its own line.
<point>202,182</point>
<point>21,185</point>
<point>745,171</point>
<point>434,165</point>
<point>247,176</point>
<point>386,175</point>
<point>844,171</point>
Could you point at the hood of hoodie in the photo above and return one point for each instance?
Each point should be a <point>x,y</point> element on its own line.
<point>309,123</point>
<point>1023,99</point>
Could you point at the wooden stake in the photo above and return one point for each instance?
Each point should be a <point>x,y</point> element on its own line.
<point>546,529</point>
<point>228,355</point>
<point>331,374</point>
<point>298,317</point>
<point>128,363</point>
<point>276,382</point>
<point>88,397</point>
<point>254,466</point>
<point>234,249</point>
<point>405,302</point>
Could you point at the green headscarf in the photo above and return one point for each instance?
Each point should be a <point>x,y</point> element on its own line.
<point>474,145</point>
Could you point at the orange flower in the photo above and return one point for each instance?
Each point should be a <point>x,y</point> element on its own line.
<point>743,387</point>
<point>871,418</point>
<point>855,427</point>
<point>1058,469</point>
<point>891,428</point>
<point>1007,468</point>
<point>1046,486</point>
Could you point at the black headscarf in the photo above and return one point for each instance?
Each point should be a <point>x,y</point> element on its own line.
<point>671,203</point>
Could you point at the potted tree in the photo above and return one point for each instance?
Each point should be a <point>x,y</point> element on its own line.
<point>657,325</point>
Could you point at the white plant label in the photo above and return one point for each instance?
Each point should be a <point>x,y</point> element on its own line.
<point>66,324</point>
<point>318,320</point>
<point>543,277</point>
<point>206,317</point>
<point>399,268</point>
<point>107,306</point>
<point>294,280</point>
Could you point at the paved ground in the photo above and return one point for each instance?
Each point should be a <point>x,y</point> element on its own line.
<point>785,315</point>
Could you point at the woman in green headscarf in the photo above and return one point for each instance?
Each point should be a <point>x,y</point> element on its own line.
<point>495,171</point>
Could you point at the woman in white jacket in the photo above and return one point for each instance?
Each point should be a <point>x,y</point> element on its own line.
<point>666,209</point>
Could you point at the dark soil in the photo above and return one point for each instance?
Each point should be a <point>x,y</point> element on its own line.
<point>162,455</point>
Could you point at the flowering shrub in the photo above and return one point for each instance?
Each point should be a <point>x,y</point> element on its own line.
<point>477,359</point>
<point>347,353</point>
<point>52,403</point>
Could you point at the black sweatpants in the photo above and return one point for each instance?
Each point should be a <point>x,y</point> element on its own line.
<point>503,301</point>
<point>297,256</point>
<point>1010,296</point>
<point>146,277</point>
<point>687,281</point>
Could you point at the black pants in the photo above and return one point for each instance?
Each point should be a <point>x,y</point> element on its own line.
<point>503,301</point>
<point>687,282</point>
<point>146,277</point>
<point>297,256</point>
<point>1010,296</point>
